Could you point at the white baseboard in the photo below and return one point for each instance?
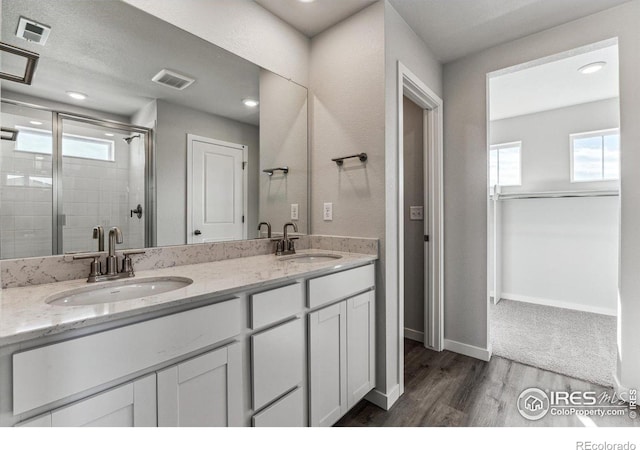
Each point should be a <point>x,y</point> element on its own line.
<point>382,400</point>
<point>468,350</point>
<point>414,335</point>
<point>559,304</point>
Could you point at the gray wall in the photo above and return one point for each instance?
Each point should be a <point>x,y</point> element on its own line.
<point>545,154</point>
<point>283,142</point>
<point>347,111</point>
<point>173,125</point>
<point>466,173</point>
<point>413,229</point>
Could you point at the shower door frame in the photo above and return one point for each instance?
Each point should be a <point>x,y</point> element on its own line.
<point>149,179</point>
<point>56,158</point>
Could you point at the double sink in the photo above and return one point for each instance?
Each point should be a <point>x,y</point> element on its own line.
<point>121,290</point>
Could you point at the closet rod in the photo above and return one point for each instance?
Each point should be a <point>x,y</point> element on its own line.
<point>559,194</point>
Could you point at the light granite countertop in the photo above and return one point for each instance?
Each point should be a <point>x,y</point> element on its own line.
<point>25,315</point>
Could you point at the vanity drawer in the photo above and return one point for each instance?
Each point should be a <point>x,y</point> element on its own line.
<point>277,304</point>
<point>54,372</point>
<point>286,412</point>
<point>340,285</point>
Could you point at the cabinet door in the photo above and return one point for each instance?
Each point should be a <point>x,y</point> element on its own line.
<point>130,405</point>
<point>360,347</point>
<point>205,391</point>
<point>328,364</point>
<point>277,357</point>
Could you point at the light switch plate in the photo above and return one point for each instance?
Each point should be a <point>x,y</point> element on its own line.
<point>416,213</point>
<point>328,211</point>
<point>294,211</point>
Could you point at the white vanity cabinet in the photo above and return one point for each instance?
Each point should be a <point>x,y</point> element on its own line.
<point>205,391</point>
<point>130,405</point>
<point>341,346</point>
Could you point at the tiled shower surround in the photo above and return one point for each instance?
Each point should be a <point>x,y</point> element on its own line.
<point>94,193</point>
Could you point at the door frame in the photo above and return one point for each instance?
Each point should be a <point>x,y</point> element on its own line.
<point>411,86</point>
<point>245,187</point>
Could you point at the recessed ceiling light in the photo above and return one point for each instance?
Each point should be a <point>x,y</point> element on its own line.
<point>109,134</point>
<point>306,1</point>
<point>76,95</point>
<point>592,67</point>
<point>251,103</point>
<point>35,122</point>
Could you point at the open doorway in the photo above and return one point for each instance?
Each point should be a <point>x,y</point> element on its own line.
<point>553,214</point>
<point>419,234</point>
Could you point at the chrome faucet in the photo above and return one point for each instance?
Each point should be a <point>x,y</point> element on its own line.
<point>285,245</point>
<point>115,237</point>
<point>268,228</point>
<point>98,233</point>
<point>112,272</point>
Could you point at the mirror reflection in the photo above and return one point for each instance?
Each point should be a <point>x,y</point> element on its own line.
<point>134,123</point>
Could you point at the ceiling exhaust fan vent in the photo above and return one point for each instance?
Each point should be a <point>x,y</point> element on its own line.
<point>32,31</point>
<point>172,79</point>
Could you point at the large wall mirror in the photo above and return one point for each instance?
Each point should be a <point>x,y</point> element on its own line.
<point>132,122</point>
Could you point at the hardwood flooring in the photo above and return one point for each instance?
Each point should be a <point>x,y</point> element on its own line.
<point>448,389</point>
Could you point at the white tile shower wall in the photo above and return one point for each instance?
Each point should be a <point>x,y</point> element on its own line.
<point>32,271</point>
<point>97,193</point>
<point>26,203</point>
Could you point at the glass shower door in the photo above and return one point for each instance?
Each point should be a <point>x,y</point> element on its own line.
<point>102,183</point>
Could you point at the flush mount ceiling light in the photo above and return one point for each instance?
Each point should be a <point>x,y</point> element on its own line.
<point>251,103</point>
<point>76,95</point>
<point>592,67</point>
<point>306,1</point>
<point>35,122</point>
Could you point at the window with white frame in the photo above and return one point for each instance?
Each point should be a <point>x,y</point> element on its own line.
<point>595,156</point>
<point>32,140</point>
<point>504,164</point>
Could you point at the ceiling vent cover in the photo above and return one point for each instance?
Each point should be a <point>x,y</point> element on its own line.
<point>172,79</point>
<point>33,31</point>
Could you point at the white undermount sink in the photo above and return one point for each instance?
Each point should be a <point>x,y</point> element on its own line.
<point>118,291</point>
<point>311,257</point>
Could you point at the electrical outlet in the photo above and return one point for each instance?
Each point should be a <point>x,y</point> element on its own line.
<point>416,213</point>
<point>294,211</point>
<point>328,211</point>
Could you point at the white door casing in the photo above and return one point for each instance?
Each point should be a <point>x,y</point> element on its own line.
<point>216,190</point>
<point>412,87</point>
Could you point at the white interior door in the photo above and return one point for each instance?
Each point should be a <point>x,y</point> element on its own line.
<point>216,190</point>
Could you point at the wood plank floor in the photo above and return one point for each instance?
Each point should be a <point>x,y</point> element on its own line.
<point>448,389</point>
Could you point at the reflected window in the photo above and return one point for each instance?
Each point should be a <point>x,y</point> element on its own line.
<point>504,164</point>
<point>595,156</point>
<point>32,140</point>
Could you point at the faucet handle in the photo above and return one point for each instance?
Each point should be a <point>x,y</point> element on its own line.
<point>127,264</point>
<point>96,268</point>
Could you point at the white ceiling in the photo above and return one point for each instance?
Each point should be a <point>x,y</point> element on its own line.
<point>313,18</point>
<point>451,28</point>
<point>554,85</point>
<point>455,28</point>
<point>111,50</point>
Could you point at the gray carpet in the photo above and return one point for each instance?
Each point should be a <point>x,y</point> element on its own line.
<point>574,343</point>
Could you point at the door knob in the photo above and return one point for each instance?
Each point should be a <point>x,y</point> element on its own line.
<point>197,232</point>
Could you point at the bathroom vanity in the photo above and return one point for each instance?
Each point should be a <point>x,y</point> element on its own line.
<point>253,341</point>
